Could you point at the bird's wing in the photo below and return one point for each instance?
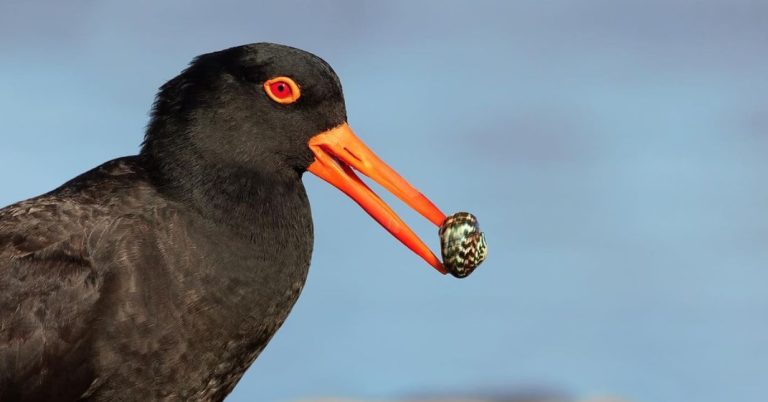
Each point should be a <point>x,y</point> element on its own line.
<point>49,288</point>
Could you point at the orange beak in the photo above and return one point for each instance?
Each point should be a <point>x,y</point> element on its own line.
<point>337,151</point>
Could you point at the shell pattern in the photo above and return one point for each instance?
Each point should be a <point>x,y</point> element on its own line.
<point>462,244</point>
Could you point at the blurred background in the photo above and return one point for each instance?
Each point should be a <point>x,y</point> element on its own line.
<point>615,153</point>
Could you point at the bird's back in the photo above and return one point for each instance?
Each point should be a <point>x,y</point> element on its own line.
<point>50,287</point>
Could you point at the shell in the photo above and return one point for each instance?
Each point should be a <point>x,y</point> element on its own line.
<point>462,244</point>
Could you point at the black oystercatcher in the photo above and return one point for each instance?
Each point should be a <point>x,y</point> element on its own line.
<point>162,276</point>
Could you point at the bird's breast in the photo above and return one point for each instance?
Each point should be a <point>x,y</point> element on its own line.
<point>216,297</point>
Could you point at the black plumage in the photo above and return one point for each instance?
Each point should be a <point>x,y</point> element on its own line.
<point>162,276</point>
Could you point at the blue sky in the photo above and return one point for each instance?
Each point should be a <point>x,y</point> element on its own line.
<point>615,153</point>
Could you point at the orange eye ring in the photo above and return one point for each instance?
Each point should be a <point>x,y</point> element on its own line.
<point>282,90</point>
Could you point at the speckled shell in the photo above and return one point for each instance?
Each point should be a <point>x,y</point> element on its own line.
<point>462,244</point>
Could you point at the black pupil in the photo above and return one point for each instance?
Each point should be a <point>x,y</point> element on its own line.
<point>280,88</point>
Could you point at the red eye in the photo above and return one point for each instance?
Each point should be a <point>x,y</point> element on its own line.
<point>282,90</point>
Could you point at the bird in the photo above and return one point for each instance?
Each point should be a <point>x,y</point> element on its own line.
<point>163,275</point>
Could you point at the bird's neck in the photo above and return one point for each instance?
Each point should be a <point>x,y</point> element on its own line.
<point>241,199</point>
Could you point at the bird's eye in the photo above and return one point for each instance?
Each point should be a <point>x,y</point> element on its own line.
<point>282,90</point>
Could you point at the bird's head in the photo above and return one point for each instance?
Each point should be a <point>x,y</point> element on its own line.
<point>279,111</point>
